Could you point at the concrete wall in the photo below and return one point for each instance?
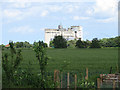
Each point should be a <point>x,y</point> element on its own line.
<point>67,34</point>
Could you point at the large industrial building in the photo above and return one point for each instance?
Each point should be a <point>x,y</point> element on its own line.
<point>74,32</point>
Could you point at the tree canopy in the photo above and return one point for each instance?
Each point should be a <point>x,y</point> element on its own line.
<point>59,42</point>
<point>95,43</point>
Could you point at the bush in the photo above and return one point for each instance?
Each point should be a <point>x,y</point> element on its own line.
<point>10,65</point>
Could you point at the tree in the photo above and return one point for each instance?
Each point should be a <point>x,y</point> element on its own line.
<point>19,44</point>
<point>95,43</point>
<point>71,43</point>
<point>42,43</point>
<point>103,42</point>
<point>2,47</point>
<point>51,44</point>
<point>26,44</point>
<point>42,58</point>
<point>79,43</point>
<point>59,42</point>
<point>86,44</point>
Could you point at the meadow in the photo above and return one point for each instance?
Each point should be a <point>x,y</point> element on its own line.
<point>73,60</point>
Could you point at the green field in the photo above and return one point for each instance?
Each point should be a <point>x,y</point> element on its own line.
<point>97,60</point>
<point>73,60</point>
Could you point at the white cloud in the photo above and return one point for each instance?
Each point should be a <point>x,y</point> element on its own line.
<point>11,13</point>
<point>90,11</point>
<point>70,10</point>
<point>22,30</point>
<point>106,20</point>
<point>80,18</point>
<point>44,13</point>
<point>55,8</point>
<point>106,7</point>
<point>15,14</point>
<point>19,5</point>
<point>102,8</point>
<point>48,0</point>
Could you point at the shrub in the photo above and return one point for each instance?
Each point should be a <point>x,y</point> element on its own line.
<point>10,65</point>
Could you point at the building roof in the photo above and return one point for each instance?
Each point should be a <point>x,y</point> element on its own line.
<point>7,45</point>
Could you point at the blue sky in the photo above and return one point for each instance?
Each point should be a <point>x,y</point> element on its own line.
<point>26,20</point>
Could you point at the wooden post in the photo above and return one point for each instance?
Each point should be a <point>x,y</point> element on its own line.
<point>86,77</point>
<point>75,81</point>
<point>101,78</point>
<point>98,83</point>
<point>61,79</point>
<point>56,77</point>
<point>119,81</point>
<point>68,82</point>
<point>113,84</point>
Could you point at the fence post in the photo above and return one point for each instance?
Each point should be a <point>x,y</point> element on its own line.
<point>68,82</point>
<point>98,83</point>
<point>101,78</point>
<point>75,81</point>
<point>119,81</point>
<point>86,77</point>
<point>113,84</point>
<point>61,79</point>
<point>56,77</point>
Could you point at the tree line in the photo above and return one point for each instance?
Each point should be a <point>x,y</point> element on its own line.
<point>60,42</point>
<point>25,44</point>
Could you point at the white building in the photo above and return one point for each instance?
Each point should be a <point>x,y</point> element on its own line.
<point>74,32</point>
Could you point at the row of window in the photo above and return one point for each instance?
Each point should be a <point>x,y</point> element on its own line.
<point>52,32</point>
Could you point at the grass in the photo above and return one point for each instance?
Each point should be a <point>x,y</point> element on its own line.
<point>74,60</point>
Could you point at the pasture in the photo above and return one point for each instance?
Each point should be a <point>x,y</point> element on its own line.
<point>73,59</point>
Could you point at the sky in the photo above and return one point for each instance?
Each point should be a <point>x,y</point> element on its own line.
<point>25,20</point>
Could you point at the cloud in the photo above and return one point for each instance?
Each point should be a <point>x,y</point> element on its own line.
<point>44,13</point>
<point>109,8</point>
<point>80,18</point>
<point>100,9</point>
<point>48,0</point>
<point>106,20</point>
<point>104,11</point>
<point>90,11</point>
<point>15,14</point>
<point>55,8</point>
<point>22,30</point>
<point>19,4</point>
<point>11,13</point>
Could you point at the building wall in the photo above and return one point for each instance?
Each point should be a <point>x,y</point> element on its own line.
<point>68,34</point>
